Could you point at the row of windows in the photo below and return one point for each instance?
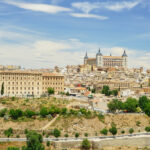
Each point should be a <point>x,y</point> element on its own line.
<point>22,88</point>
<point>25,83</point>
<point>22,93</point>
<point>47,83</point>
<point>53,87</point>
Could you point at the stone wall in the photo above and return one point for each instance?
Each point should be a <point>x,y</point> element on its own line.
<point>139,142</point>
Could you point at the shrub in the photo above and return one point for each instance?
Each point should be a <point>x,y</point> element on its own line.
<point>48,143</point>
<point>147,129</point>
<point>26,131</point>
<point>131,130</point>
<point>29,113</point>
<point>13,98</point>
<point>122,131</point>
<point>3,112</point>
<point>66,135</point>
<point>43,112</point>
<point>76,135</point>
<point>101,117</point>
<point>15,114</point>
<point>8,132</point>
<point>104,131</point>
<point>113,130</point>
<point>138,123</point>
<point>17,136</point>
<point>86,144</point>
<point>86,134</point>
<point>56,133</point>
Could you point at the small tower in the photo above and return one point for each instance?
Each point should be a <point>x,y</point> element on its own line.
<point>99,59</point>
<point>125,59</point>
<point>85,59</point>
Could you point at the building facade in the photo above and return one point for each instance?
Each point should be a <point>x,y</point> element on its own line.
<point>23,83</point>
<point>107,61</point>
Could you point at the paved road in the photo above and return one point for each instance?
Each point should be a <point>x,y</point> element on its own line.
<point>136,135</point>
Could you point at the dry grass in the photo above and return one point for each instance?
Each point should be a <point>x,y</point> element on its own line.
<point>93,126</point>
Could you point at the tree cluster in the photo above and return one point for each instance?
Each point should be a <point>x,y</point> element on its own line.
<point>106,90</point>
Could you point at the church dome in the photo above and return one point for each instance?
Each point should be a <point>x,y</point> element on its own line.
<point>99,53</point>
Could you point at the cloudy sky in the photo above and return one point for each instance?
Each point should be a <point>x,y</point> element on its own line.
<point>45,33</point>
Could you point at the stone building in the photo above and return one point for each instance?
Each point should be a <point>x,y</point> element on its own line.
<point>107,61</point>
<point>25,83</point>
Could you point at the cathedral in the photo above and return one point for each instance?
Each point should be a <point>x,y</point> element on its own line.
<point>107,61</point>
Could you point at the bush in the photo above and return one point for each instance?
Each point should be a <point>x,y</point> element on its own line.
<point>101,117</point>
<point>104,131</point>
<point>113,130</point>
<point>3,112</point>
<point>66,135</point>
<point>8,132</point>
<point>122,131</point>
<point>48,143</point>
<point>15,114</point>
<point>86,144</point>
<point>26,131</point>
<point>29,113</point>
<point>17,136</point>
<point>56,133</point>
<point>138,123</point>
<point>131,130</point>
<point>43,112</point>
<point>86,134</point>
<point>76,135</point>
<point>147,129</point>
<point>13,98</point>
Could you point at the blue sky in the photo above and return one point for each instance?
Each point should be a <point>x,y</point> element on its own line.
<point>45,33</point>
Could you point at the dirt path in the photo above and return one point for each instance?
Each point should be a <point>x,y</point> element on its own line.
<point>54,119</point>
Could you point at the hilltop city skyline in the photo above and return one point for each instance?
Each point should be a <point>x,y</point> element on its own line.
<point>41,33</point>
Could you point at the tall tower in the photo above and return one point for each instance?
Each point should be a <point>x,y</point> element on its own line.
<point>85,59</point>
<point>125,59</point>
<point>99,59</point>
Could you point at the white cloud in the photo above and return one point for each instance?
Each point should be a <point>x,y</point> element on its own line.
<point>38,52</point>
<point>118,6</point>
<point>87,7</point>
<point>38,7</point>
<point>82,15</point>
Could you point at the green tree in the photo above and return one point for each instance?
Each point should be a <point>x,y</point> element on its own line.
<point>12,148</point>
<point>147,109</point>
<point>113,130</point>
<point>143,102</point>
<point>2,89</point>
<point>131,130</point>
<point>105,90</point>
<point>8,132</point>
<point>86,144</point>
<point>114,105</point>
<point>29,113</point>
<point>50,91</point>
<point>56,133</point>
<point>15,113</point>
<point>76,135</point>
<point>115,92</point>
<point>131,104</point>
<point>43,112</point>
<point>3,112</point>
<point>34,141</point>
<point>147,129</point>
<point>104,131</point>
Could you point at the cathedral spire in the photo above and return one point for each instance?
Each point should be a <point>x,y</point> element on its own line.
<point>124,54</point>
<point>86,56</point>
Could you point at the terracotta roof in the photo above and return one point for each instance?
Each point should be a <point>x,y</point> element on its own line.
<point>51,74</point>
